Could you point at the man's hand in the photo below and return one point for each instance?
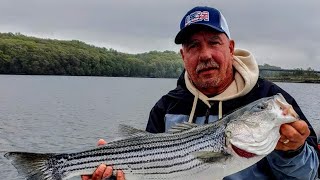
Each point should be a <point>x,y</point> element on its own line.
<point>293,135</point>
<point>103,171</point>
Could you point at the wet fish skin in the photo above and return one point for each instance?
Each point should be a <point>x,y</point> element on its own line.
<point>189,152</point>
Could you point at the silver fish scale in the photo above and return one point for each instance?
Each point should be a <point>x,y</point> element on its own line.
<point>155,155</point>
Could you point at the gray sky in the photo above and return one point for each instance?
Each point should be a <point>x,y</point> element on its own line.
<point>284,33</point>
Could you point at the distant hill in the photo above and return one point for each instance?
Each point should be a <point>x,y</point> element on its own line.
<point>267,66</point>
<point>21,54</point>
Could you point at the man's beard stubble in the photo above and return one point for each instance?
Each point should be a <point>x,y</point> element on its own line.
<point>213,81</point>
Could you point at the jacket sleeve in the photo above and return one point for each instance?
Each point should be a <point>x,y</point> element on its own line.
<point>301,166</point>
<point>156,122</point>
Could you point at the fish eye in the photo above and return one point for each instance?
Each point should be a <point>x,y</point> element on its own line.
<point>260,106</point>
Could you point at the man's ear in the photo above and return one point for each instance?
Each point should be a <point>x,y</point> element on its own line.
<point>231,46</point>
<point>182,53</point>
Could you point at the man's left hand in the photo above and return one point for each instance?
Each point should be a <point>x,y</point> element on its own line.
<point>293,135</point>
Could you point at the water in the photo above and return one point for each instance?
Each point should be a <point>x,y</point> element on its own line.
<point>68,114</point>
<point>308,98</point>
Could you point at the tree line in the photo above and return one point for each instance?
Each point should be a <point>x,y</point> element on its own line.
<point>21,54</point>
<point>275,73</point>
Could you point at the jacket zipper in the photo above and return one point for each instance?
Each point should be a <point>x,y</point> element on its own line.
<point>206,121</point>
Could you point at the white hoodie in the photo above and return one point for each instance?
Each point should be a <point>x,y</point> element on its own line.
<point>245,77</point>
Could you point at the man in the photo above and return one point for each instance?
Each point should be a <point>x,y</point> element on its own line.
<point>219,79</point>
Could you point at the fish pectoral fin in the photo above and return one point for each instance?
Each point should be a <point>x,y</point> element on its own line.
<point>210,156</point>
<point>180,127</point>
<point>129,131</point>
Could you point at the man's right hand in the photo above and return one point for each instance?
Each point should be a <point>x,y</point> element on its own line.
<point>103,171</point>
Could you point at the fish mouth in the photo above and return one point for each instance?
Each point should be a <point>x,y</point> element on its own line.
<point>287,109</point>
<point>242,153</point>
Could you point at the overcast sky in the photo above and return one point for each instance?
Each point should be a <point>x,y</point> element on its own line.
<point>284,33</point>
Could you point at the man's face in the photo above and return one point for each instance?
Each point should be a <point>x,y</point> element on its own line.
<point>207,57</point>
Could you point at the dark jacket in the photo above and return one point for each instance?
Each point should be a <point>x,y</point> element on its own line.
<point>177,104</point>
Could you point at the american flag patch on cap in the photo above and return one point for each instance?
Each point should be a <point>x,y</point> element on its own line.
<point>196,17</point>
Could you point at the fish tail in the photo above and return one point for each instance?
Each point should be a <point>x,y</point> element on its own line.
<point>36,166</point>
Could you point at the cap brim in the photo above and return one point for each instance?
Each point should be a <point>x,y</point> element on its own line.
<point>186,32</point>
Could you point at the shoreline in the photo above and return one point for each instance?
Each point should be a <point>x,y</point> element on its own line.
<point>285,80</point>
<point>313,81</point>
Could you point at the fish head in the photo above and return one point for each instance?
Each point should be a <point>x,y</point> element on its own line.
<point>256,130</point>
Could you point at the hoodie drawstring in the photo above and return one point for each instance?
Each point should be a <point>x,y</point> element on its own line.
<point>220,110</point>
<point>194,105</point>
<point>195,100</point>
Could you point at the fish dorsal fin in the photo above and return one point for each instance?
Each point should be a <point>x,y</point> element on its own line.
<point>180,127</point>
<point>210,156</point>
<point>128,131</point>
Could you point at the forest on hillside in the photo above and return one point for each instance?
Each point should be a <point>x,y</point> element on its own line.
<point>20,54</point>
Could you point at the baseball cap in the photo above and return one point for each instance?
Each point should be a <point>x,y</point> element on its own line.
<point>202,16</point>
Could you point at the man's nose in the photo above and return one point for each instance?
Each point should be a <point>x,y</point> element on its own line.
<point>205,53</point>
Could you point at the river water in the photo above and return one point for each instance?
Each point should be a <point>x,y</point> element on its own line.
<point>69,114</point>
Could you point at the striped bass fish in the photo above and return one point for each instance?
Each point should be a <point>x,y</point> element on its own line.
<point>188,151</point>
